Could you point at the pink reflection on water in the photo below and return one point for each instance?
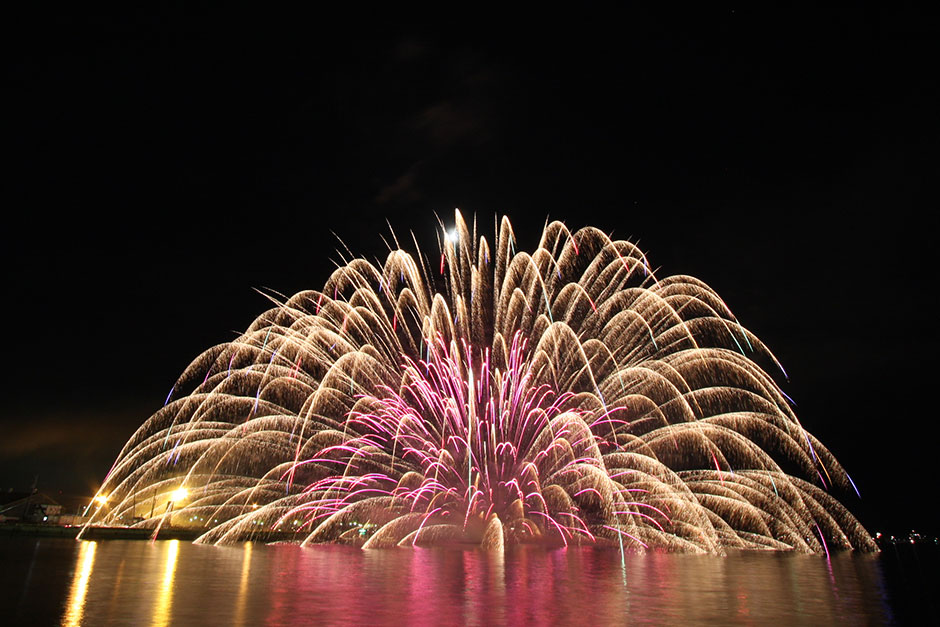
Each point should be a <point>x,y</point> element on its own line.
<point>139,583</point>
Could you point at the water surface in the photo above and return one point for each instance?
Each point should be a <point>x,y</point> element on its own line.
<point>60,581</point>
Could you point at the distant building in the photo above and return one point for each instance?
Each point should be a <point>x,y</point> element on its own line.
<point>29,507</point>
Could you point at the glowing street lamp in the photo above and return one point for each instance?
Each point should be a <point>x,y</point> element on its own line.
<point>176,496</point>
<point>98,500</point>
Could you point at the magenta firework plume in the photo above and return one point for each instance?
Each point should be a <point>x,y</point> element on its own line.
<point>494,397</point>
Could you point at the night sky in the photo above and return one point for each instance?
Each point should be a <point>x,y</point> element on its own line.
<point>160,169</point>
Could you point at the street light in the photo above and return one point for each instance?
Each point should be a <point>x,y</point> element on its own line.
<point>100,499</point>
<point>176,495</point>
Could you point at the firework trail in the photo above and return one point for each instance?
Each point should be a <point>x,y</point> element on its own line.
<point>566,396</point>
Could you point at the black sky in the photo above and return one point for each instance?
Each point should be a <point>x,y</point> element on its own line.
<point>160,167</point>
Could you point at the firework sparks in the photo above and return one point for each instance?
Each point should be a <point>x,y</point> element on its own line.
<point>566,396</point>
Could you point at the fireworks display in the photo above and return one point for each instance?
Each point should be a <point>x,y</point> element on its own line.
<point>493,397</point>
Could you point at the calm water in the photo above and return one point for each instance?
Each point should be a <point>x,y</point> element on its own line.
<point>57,581</point>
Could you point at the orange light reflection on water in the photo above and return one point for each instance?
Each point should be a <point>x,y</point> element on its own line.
<point>243,586</point>
<point>161,613</point>
<point>76,604</point>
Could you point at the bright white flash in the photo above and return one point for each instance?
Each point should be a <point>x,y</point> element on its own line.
<point>451,236</point>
